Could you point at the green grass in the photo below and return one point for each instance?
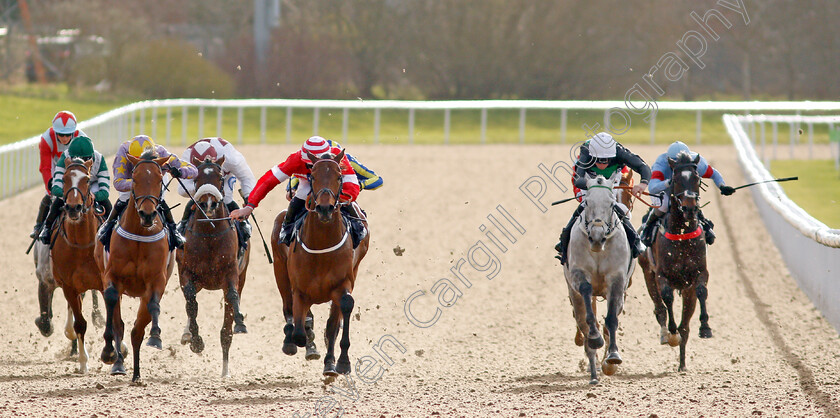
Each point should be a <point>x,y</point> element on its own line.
<point>818,188</point>
<point>30,109</point>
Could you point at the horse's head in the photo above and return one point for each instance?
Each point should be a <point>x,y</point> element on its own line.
<point>209,183</point>
<point>685,184</point>
<point>326,180</point>
<point>147,185</point>
<point>599,220</point>
<point>77,198</point>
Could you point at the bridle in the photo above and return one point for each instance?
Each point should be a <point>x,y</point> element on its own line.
<point>310,203</point>
<point>140,199</point>
<point>87,196</point>
<point>612,226</point>
<point>690,194</point>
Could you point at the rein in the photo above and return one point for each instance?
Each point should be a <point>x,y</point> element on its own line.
<point>153,198</point>
<point>638,199</point>
<point>310,206</point>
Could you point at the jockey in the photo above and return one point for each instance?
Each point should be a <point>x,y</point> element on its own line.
<point>234,167</point>
<point>122,182</point>
<point>298,165</point>
<point>368,179</point>
<point>603,155</point>
<point>80,147</point>
<point>661,180</point>
<point>53,143</point>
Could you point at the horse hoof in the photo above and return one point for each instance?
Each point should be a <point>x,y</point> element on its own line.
<point>609,369</point>
<point>330,372</point>
<point>135,381</point>
<point>578,338</point>
<point>117,369</point>
<point>108,356</point>
<point>613,358</point>
<point>155,342</point>
<point>240,329</point>
<point>674,340</point>
<point>594,382</point>
<point>197,344</point>
<point>44,325</point>
<point>343,367</point>
<point>299,339</point>
<point>289,349</point>
<point>124,350</point>
<point>705,332</point>
<point>312,351</point>
<point>596,343</point>
<point>186,338</point>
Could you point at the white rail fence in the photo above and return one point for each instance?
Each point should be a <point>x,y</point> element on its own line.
<point>810,249</point>
<point>19,161</point>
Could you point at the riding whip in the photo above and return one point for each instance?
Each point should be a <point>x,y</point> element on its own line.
<point>193,200</point>
<point>768,181</point>
<point>562,201</point>
<point>267,252</point>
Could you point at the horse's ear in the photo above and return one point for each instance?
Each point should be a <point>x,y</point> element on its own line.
<point>89,164</point>
<point>312,157</point>
<point>221,161</point>
<point>162,160</point>
<point>615,177</point>
<point>696,159</point>
<point>132,159</point>
<point>672,162</point>
<point>339,157</point>
<point>195,161</point>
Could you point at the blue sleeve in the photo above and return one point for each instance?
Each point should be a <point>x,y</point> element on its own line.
<point>706,171</point>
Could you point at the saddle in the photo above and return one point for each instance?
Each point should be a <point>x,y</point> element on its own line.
<point>355,225</point>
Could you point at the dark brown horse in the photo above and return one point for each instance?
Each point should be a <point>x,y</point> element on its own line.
<point>73,265</point>
<point>677,258</point>
<point>209,258</point>
<point>319,266</point>
<point>138,265</point>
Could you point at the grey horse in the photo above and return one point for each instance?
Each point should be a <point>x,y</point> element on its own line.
<point>599,265</point>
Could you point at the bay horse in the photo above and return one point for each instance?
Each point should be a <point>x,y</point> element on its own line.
<point>73,264</point>
<point>138,265</point>
<point>320,265</point>
<point>600,264</point>
<point>209,258</point>
<point>677,258</point>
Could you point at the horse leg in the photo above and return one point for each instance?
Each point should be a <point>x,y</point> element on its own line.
<point>153,307</point>
<point>45,297</point>
<point>330,334</point>
<point>191,334</point>
<point>114,327</point>
<point>595,340</point>
<point>226,335</point>
<point>346,304</point>
<point>668,298</point>
<point>69,332</point>
<point>579,312</point>
<point>615,305</point>
<point>232,298</point>
<point>702,294</point>
<point>298,313</point>
<point>659,310</point>
<point>144,316</point>
<point>74,301</point>
<point>689,298</point>
<point>592,355</point>
<point>309,325</point>
<point>96,314</point>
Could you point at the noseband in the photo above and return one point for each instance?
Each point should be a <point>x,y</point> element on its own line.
<point>140,199</point>
<point>690,194</point>
<point>87,197</point>
<point>610,227</point>
<point>333,194</point>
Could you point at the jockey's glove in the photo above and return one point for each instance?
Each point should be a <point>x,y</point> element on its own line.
<point>100,195</point>
<point>57,191</point>
<point>175,171</point>
<point>726,190</point>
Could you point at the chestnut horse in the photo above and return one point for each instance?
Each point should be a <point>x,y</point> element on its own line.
<point>209,258</point>
<point>319,266</point>
<point>138,265</point>
<point>677,258</point>
<point>73,265</point>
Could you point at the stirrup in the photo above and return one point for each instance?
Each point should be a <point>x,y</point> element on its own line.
<point>45,236</point>
<point>286,233</point>
<point>37,231</point>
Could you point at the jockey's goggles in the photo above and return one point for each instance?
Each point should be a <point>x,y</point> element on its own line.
<point>606,160</point>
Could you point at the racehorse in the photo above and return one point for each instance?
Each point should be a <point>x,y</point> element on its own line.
<point>677,258</point>
<point>319,266</point>
<point>209,258</point>
<point>600,264</point>
<point>139,263</point>
<point>73,265</point>
<point>625,196</point>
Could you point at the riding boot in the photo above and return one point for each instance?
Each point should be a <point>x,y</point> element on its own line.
<point>650,225</point>
<point>295,206</point>
<point>707,227</point>
<point>636,247</point>
<point>42,214</point>
<point>104,234</point>
<point>188,212</point>
<point>177,239</point>
<point>55,210</point>
<point>563,246</point>
<point>357,227</point>
<point>243,229</point>
<point>106,208</point>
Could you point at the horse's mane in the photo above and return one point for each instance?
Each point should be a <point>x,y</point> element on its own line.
<point>76,160</point>
<point>684,158</point>
<point>149,153</point>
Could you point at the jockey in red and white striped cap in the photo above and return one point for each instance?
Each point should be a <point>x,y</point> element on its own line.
<point>298,165</point>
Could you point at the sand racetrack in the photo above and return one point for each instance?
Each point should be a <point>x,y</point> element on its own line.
<point>504,348</point>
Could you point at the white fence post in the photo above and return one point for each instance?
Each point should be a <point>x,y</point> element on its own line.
<point>447,123</point>
<point>184,116</point>
<point>345,122</point>
<point>484,125</point>
<point>168,125</point>
<point>522,125</point>
<point>219,122</point>
<point>377,115</point>
<point>239,123</point>
<point>563,118</point>
<point>411,126</point>
<point>316,114</point>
